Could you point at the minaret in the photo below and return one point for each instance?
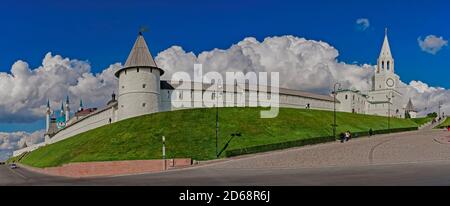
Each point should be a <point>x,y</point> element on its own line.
<point>139,83</point>
<point>67,110</point>
<point>62,109</point>
<point>81,105</point>
<point>47,116</point>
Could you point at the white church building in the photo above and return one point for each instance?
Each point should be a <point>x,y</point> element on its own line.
<point>384,98</point>
<point>141,91</point>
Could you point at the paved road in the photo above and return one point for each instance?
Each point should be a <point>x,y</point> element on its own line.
<point>412,158</point>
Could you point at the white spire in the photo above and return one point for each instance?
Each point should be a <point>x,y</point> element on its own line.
<point>385,61</point>
<point>386,49</point>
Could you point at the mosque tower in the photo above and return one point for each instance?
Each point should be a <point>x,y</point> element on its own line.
<point>139,83</point>
<point>81,105</point>
<point>67,109</point>
<point>62,109</point>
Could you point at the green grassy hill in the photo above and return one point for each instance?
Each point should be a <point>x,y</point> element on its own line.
<point>191,133</point>
<point>445,124</point>
<point>423,120</point>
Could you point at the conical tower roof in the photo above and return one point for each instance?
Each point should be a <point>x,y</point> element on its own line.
<point>410,106</point>
<point>140,56</point>
<point>386,49</point>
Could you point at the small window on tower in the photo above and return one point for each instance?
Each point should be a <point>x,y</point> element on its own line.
<point>382,64</point>
<point>123,87</point>
<point>388,65</point>
<point>137,70</point>
<point>144,85</point>
<point>143,104</point>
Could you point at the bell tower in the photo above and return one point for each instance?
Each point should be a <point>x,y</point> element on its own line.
<point>385,77</point>
<point>385,99</point>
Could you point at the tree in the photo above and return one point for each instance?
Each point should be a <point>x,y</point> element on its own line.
<point>434,115</point>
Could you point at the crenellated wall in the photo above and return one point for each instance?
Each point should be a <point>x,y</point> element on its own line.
<point>287,98</point>
<point>92,121</point>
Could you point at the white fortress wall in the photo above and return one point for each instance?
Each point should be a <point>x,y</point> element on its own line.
<point>93,121</point>
<point>90,122</point>
<point>183,98</point>
<point>28,149</point>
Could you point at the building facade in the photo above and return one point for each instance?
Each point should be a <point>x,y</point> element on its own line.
<point>384,98</point>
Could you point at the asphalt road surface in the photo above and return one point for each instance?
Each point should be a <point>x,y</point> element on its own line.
<point>411,158</point>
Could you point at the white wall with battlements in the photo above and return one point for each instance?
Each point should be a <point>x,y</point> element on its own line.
<point>183,99</point>
<point>95,120</point>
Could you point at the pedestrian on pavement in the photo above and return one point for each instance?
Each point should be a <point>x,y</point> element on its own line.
<point>342,137</point>
<point>370,132</point>
<point>347,136</point>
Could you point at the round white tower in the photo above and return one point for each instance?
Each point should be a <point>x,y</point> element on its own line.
<point>139,83</point>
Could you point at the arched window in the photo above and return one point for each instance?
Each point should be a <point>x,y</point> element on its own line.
<point>346,96</point>
<point>388,63</point>
<point>382,64</point>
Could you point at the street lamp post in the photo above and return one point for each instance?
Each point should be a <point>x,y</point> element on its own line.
<point>389,97</point>
<point>217,118</point>
<point>334,108</point>
<point>164,152</point>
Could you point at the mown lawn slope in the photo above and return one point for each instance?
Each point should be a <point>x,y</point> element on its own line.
<point>191,133</point>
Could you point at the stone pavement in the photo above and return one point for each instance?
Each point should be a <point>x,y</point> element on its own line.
<point>396,148</point>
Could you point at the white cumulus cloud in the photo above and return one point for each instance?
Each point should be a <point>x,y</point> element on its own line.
<point>24,91</point>
<point>16,140</point>
<point>426,98</point>
<point>363,23</point>
<point>302,64</point>
<point>432,44</point>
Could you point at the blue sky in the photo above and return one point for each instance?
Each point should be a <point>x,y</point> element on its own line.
<point>102,31</point>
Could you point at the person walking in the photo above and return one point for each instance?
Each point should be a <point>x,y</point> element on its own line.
<point>370,132</point>
<point>342,137</point>
<point>347,136</point>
